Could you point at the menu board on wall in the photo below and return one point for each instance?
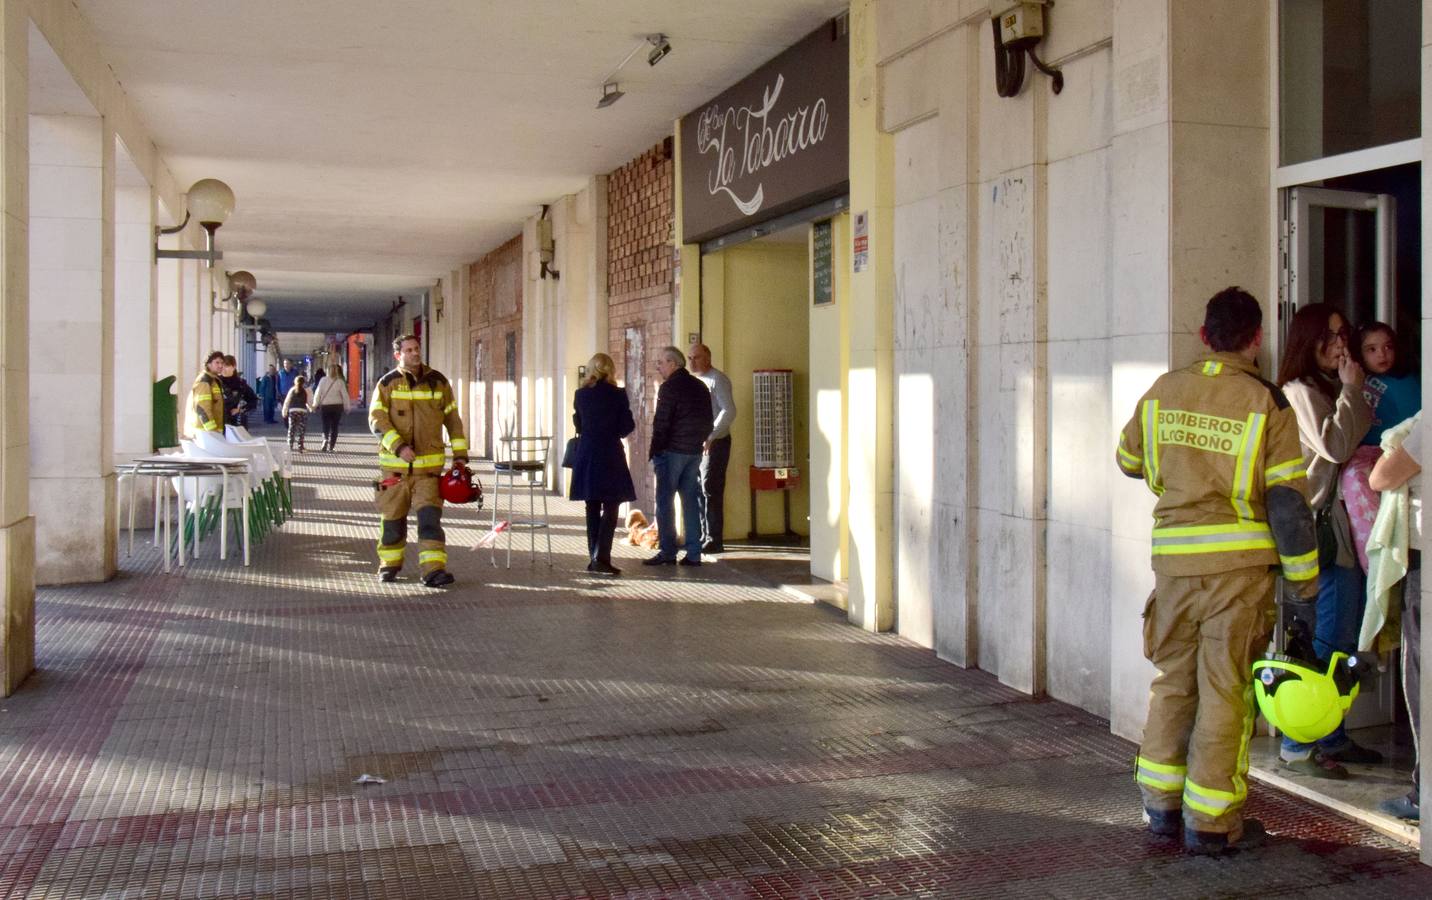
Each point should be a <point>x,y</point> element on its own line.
<point>822,263</point>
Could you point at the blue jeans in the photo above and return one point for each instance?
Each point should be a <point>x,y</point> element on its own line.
<point>1341,597</point>
<point>678,473</point>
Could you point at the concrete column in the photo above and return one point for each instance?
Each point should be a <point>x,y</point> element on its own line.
<point>870,396</point>
<point>1189,208</point>
<point>72,347</point>
<point>136,307</point>
<point>17,527</point>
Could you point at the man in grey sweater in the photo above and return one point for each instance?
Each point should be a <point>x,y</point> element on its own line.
<point>717,453</point>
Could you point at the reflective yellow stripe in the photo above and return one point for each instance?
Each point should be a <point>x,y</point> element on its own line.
<point>429,556</point>
<point>1128,460</point>
<point>1183,540</point>
<point>1209,801</point>
<point>1248,451</point>
<point>390,555</point>
<point>405,394</point>
<point>459,444</point>
<point>1212,368</point>
<point>426,461</point>
<point>1303,567</point>
<point>1151,446</point>
<point>1285,471</point>
<point>377,404</point>
<point>1159,776</point>
<point>450,407</point>
<point>390,437</point>
<point>209,426</point>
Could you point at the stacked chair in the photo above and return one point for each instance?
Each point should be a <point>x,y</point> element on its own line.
<point>268,488</point>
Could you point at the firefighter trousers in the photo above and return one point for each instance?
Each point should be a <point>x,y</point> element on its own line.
<point>1202,633</point>
<point>418,492</point>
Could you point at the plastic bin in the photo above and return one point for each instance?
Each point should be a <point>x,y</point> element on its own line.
<point>165,431</point>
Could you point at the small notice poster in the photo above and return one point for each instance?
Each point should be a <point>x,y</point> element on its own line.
<point>821,264</point>
<point>860,255</point>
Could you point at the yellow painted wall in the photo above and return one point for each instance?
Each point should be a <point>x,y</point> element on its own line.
<point>756,298</point>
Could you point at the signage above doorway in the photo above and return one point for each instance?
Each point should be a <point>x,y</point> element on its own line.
<point>776,141</point>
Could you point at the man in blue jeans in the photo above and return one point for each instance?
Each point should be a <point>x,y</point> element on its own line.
<point>678,433</point>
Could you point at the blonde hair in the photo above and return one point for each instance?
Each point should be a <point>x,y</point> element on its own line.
<point>335,371</point>
<point>600,368</point>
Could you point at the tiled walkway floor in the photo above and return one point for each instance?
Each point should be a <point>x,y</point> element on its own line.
<point>691,733</point>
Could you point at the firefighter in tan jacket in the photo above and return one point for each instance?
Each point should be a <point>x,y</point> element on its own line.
<point>410,408</point>
<point>205,410</point>
<point>1219,447</point>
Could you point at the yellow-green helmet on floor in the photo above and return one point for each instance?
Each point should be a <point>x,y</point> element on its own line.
<point>1299,700</point>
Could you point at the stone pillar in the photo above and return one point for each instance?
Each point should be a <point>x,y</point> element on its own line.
<point>870,395</point>
<point>1190,207</point>
<point>136,312</point>
<point>17,527</point>
<point>72,347</point>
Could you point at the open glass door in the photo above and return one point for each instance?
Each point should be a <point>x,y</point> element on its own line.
<point>1341,249</point>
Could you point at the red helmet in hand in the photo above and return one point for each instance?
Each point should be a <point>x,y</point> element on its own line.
<point>458,485</point>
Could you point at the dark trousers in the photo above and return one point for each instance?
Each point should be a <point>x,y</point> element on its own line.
<point>601,528</point>
<point>269,407</point>
<point>713,490</point>
<point>332,417</point>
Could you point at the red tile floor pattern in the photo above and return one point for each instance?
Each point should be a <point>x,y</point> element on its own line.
<point>678,733</point>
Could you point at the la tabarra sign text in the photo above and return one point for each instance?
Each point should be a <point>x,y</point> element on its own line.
<point>773,143</point>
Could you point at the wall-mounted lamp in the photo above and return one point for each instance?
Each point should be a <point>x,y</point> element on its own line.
<point>1019,26</point>
<point>660,49</point>
<point>256,308</point>
<point>210,201</point>
<point>237,287</point>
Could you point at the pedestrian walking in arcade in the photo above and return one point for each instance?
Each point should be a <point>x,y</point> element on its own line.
<point>1219,447</point>
<point>331,400</point>
<point>411,407</point>
<point>295,413</point>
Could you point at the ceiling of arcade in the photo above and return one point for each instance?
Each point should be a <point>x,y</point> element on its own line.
<point>374,146</point>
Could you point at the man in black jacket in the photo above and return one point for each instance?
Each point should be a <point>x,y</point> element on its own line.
<point>679,430</point>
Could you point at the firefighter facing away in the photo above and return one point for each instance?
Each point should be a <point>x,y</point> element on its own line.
<point>411,406</point>
<point>1219,448</point>
<point>206,398</point>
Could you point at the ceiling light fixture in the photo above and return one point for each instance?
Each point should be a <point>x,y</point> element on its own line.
<point>211,202</point>
<point>611,91</point>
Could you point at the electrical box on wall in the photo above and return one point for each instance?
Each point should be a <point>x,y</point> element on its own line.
<point>1020,23</point>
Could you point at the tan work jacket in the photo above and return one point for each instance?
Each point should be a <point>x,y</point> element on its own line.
<point>206,405</point>
<point>1210,440</point>
<point>411,409</point>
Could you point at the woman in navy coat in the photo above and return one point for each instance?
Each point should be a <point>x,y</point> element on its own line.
<point>599,466</point>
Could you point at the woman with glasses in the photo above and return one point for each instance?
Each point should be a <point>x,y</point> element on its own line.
<point>1323,383</point>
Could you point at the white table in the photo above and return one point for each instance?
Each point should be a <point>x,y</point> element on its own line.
<point>162,468</point>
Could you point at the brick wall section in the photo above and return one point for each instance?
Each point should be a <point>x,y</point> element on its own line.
<point>494,297</point>
<point>641,218</point>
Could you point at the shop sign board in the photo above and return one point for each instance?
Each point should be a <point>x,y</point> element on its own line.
<point>776,142</point>
<point>860,248</point>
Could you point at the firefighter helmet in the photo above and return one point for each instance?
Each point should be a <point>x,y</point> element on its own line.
<point>1299,699</point>
<point>458,485</point>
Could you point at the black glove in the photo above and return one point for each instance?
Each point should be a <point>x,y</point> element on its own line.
<point>1300,621</point>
